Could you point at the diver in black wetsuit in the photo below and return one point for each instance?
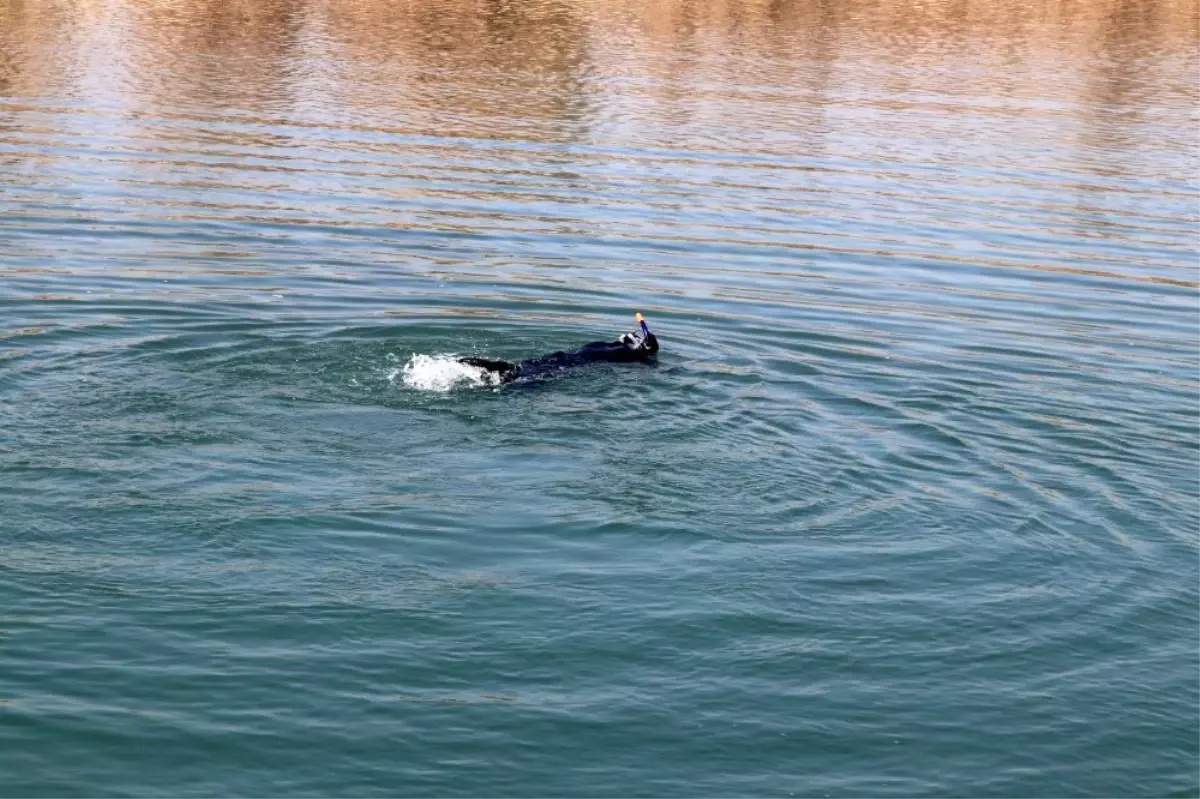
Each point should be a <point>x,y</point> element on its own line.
<point>640,345</point>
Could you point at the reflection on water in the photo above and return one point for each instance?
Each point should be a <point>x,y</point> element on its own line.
<point>1049,117</point>
<point>565,71</point>
<point>898,156</point>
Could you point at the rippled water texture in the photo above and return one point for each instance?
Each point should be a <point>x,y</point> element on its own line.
<point>907,506</point>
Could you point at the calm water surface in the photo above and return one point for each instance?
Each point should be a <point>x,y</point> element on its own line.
<point>907,507</point>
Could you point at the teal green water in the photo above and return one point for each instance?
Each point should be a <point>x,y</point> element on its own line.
<point>907,507</point>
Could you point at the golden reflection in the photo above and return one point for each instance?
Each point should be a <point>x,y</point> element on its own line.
<point>317,97</point>
<point>34,38</point>
<point>546,63</point>
<point>460,62</point>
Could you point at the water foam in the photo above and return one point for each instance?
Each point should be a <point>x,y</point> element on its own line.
<point>442,373</point>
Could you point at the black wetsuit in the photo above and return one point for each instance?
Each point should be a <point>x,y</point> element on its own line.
<point>625,350</point>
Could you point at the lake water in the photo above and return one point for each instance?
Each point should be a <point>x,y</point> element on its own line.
<point>908,505</point>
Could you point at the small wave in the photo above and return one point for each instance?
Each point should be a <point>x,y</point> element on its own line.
<point>442,373</point>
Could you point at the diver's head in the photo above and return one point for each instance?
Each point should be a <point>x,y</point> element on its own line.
<point>650,344</point>
<point>641,340</point>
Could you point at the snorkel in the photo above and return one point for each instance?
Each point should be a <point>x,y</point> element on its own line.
<point>641,340</point>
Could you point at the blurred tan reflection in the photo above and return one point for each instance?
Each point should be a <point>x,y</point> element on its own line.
<point>547,64</point>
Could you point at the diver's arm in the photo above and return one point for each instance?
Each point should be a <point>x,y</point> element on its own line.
<point>613,351</point>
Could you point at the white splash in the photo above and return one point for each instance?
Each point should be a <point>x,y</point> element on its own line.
<point>442,373</point>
